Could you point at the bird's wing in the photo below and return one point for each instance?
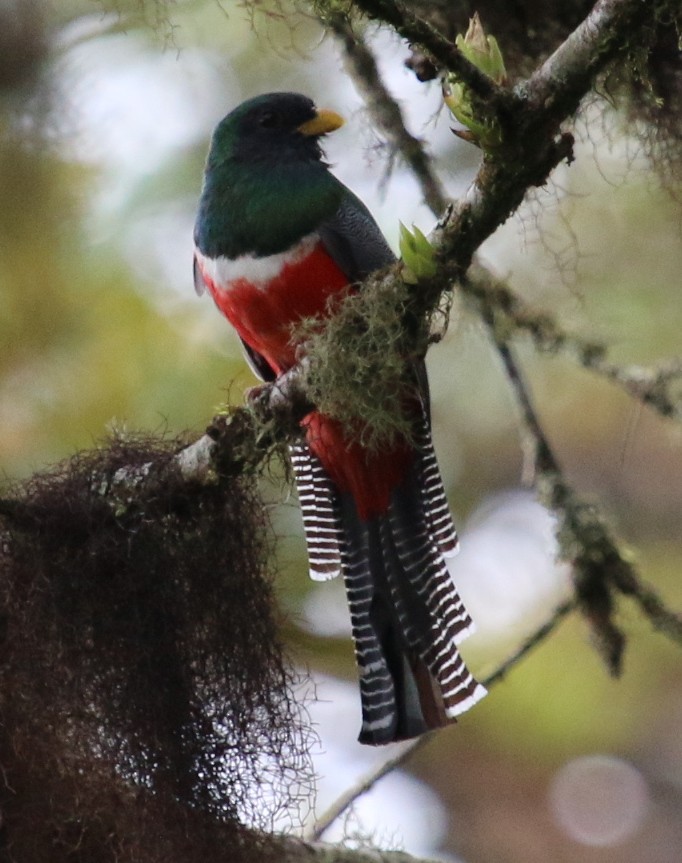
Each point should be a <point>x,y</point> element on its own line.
<point>258,364</point>
<point>354,240</point>
<point>200,285</point>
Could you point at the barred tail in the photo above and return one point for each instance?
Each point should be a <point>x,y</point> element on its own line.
<point>317,496</point>
<point>407,617</point>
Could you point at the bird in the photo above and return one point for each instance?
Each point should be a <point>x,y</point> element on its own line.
<point>277,239</point>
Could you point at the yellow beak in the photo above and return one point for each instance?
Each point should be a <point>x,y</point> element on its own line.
<point>324,121</point>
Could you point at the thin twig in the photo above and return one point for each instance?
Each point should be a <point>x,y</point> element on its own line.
<point>367,782</point>
<point>584,538</point>
<point>544,459</point>
<point>599,566</point>
<point>597,550</point>
<point>533,640</point>
<point>661,617</point>
<point>385,112</point>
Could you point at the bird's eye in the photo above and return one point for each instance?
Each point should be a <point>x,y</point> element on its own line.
<point>268,120</point>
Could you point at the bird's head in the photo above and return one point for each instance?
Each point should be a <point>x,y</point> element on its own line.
<point>272,127</point>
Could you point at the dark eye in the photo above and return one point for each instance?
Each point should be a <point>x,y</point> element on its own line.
<point>268,120</point>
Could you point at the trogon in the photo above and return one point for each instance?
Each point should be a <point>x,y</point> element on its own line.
<point>278,238</point>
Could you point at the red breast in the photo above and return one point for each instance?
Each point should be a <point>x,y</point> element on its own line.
<point>265,313</point>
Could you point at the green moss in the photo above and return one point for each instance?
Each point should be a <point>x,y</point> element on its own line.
<point>362,369</point>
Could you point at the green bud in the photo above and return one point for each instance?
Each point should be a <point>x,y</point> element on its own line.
<point>418,255</point>
<point>484,53</point>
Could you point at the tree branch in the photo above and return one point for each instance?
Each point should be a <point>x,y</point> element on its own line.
<point>530,117</point>
<point>558,86</point>
<point>660,388</point>
<point>585,540</point>
<point>533,144</point>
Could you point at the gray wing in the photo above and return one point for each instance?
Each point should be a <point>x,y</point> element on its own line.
<point>258,364</point>
<point>354,240</point>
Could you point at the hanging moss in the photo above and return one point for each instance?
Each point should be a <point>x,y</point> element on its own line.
<point>142,684</point>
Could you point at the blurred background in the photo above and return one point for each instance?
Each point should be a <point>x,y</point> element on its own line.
<point>105,113</point>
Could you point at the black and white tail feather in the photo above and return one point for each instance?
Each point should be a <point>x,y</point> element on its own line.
<point>407,617</point>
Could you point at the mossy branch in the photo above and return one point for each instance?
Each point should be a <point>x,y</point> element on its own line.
<point>524,159</point>
<point>600,567</point>
<point>660,388</point>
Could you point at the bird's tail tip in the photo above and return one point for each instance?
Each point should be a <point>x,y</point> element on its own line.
<point>475,694</point>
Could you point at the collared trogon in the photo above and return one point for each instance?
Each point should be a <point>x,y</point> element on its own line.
<point>277,236</point>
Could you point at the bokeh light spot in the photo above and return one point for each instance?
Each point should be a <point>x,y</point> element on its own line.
<point>599,800</point>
